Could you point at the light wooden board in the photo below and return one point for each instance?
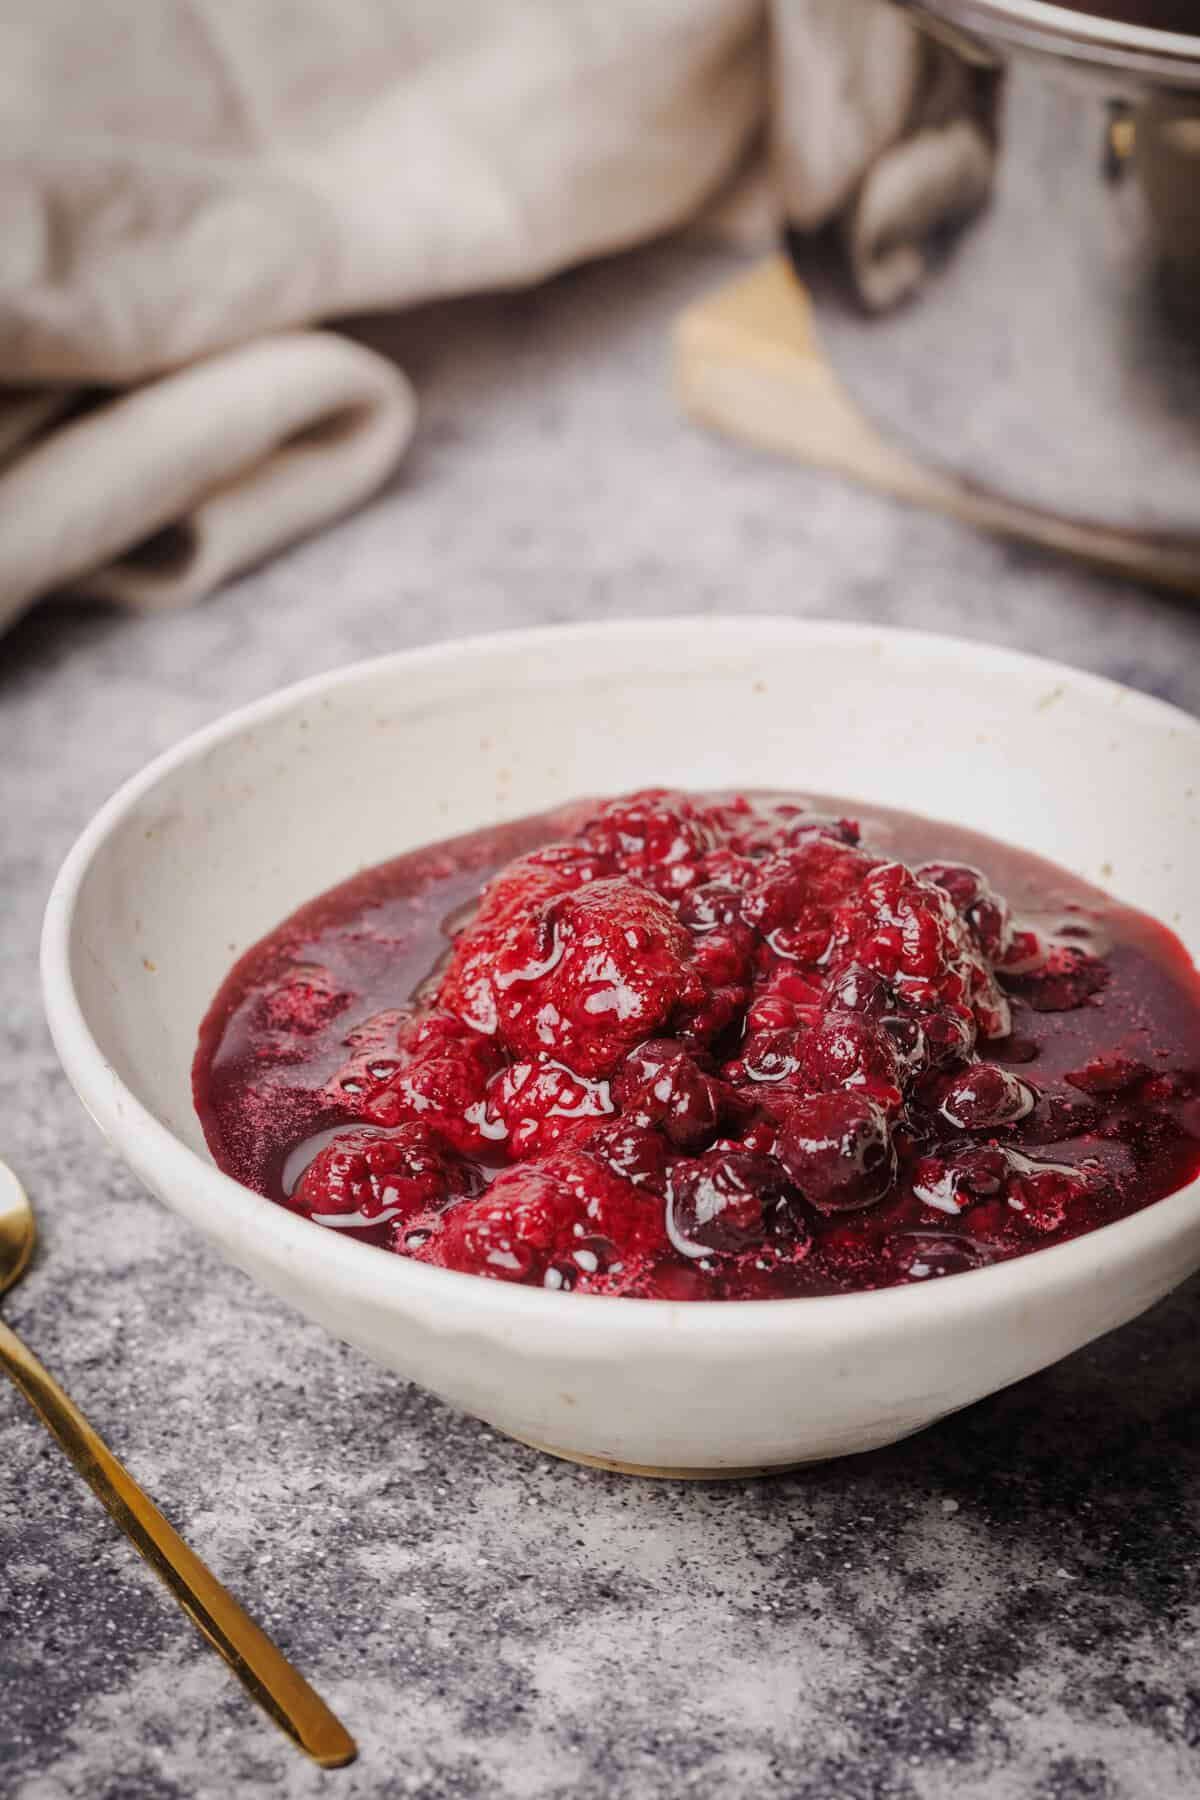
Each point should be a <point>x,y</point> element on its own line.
<point>747,361</point>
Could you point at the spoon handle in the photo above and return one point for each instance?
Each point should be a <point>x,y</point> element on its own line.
<point>262,1669</point>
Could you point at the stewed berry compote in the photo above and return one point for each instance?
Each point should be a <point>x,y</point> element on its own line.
<point>709,1046</point>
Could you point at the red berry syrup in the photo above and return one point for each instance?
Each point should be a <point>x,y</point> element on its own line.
<point>709,1046</point>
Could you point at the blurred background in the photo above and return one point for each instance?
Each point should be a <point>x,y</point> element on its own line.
<point>226,226</point>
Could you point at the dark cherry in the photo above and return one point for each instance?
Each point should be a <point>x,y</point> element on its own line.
<point>846,1050</point>
<point>711,904</point>
<point>661,1083</point>
<point>963,883</point>
<point>635,1152</point>
<point>984,911</point>
<point>956,1177</point>
<point>909,1044</point>
<point>725,1202</point>
<point>855,989</point>
<point>991,925</point>
<point>921,1256</point>
<point>838,1150</point>
<point>773,1057</point>
<point>950,1034</point>
<point>983,1096</point>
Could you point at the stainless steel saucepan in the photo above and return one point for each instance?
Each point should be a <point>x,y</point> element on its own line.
<point>1051,355</point>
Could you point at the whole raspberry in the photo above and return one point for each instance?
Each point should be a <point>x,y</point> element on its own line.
<point>514,896</point>
<point>442,1077</point>
<point>376,1175</point>
<point>721,971</point>
<point>658,836</point>
<point>908,931</point>
<point>536,1217</point>
<point>511,1232</point>
<point>585,977</point>
<point>534,1103</point>
<point>793,900</point>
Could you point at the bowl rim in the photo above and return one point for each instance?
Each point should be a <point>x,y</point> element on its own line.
<point>363,1271</point>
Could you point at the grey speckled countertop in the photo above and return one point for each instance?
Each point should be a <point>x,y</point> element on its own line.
<point>1007,1606</point>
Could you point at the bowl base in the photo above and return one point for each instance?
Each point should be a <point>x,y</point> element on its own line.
<point>725,1473</point>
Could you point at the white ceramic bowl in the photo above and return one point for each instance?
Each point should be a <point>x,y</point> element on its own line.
<point>219,839</point>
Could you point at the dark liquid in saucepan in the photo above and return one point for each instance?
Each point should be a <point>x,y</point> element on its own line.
<point>1153,15</point>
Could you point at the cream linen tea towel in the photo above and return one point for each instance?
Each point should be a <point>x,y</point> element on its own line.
<point>186,186</point>
<point>179,179</point>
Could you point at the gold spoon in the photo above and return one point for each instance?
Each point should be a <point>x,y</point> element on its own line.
<point>265,1673</point>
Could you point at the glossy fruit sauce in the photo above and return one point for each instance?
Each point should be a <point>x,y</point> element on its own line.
<point>709,1047</point>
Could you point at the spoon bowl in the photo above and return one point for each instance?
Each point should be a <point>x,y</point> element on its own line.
<point>17,1229</point>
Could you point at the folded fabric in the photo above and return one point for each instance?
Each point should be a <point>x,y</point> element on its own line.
<point>309,425</point>
<point>229,172</point>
